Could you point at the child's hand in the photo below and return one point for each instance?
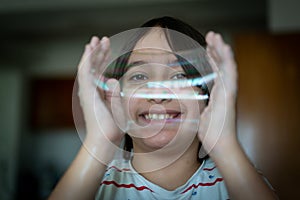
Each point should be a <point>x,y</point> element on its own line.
<point>218,122</point>
<point>97,115</point>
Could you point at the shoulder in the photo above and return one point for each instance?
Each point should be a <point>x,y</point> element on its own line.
<point>112,178</point>
<point>119,165</point>
<point>207,182</point>
<point>121,180</point>
<point>117,170</point>
<point>209,166</point>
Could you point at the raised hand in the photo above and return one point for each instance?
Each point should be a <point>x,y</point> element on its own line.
<point>218,124</point>
<point>82,178</point>
<point>97,115</point>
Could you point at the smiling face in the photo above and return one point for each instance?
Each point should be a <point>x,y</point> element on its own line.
<point>158,118</point>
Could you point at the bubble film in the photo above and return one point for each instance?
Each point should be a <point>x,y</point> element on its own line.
<point>151,91</point>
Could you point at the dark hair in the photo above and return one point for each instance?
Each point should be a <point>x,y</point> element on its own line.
<point>176,25</point>
<point>118,68</point>
<point>194,40</point>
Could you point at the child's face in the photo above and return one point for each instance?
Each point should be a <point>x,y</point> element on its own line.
<point>158,120</point>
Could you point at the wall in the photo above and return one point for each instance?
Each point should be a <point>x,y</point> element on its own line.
<point>10,123</point>
<point>284,15</point>
<point>46,153</point>
<point>268,103</point>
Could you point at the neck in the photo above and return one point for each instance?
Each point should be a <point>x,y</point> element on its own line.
<point>167,171</point>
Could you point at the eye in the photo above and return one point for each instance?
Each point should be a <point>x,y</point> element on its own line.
<point>203,89</point>
<point>180,75</point>
<point>138,77</point>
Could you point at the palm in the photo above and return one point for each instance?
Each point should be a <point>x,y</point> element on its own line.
<point>218,118</point>
<point>98,117</point>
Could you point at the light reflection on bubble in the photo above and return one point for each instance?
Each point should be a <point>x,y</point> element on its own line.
<point>182,83</point>
<point>189,54</point>
<point>167,96</point>
<point>168,84</point>
<point>101,84</point>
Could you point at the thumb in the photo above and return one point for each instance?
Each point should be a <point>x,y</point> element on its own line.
<point>116,105</point>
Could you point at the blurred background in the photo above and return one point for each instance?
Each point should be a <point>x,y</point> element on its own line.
<point>41,45</point>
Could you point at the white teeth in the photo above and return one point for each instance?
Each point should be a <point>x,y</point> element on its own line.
<point>159,116</point>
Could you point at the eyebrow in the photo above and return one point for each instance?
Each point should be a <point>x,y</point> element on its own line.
<point>172,63</point>
<point>136,63</point>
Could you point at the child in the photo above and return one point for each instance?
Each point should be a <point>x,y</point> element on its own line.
<point>165,162</point>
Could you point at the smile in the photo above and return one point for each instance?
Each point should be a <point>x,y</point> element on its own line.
<point>160,116</point>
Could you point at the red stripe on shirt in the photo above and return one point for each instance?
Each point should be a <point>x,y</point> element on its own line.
<point>119,170</point>
<point>140,188</point>
<point>202,184</point>
<point>209,169</point>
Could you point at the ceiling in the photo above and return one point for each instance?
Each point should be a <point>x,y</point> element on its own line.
<point>43,18</point>
<point>28,24</point>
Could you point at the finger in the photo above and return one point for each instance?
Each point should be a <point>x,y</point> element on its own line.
<point>228,65</point>
<point>213,60</point>
<point>218,48</point>
<point>213,57</point>
<point>84,65</point>
<point>219,45</point>
<point>209,37</point>
<point>215,44</point>
<point>100,55</point>
<point>88,49</point>
<point>221,53</point>
<point>94,41</point>
<point>105,43</point>
<point>101,81</point>
<point>85,60</point>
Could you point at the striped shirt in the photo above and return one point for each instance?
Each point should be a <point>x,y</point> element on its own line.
<point>122,182</point>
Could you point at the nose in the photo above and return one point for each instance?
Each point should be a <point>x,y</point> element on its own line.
<point>158,100</point>
<point>160,95</point>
